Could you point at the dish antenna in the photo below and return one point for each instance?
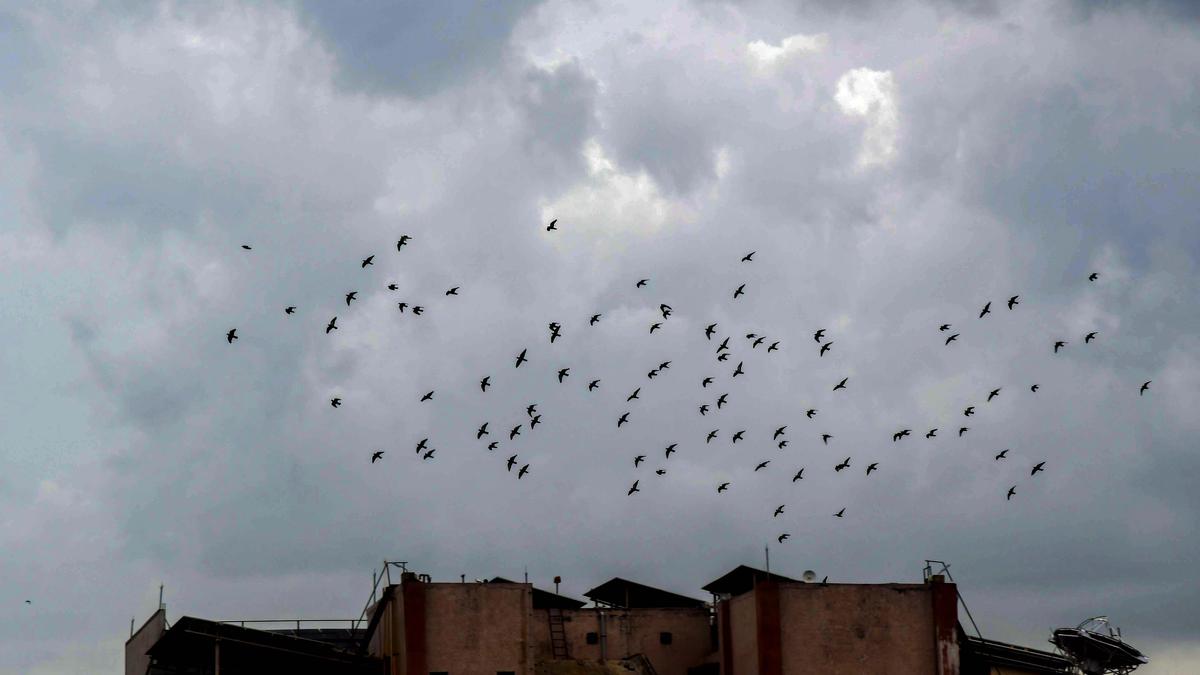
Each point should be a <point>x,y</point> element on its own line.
<point>809,576</point>
<point>1096,648</point>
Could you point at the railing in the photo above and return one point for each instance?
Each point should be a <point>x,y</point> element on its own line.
<point>298,623</point>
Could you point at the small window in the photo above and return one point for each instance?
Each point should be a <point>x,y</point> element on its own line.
<point>664,638</point>
<point>438,672</point>
<point>505,672</point>
<point>593,639</point>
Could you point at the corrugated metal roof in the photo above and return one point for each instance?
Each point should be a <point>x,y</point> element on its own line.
<point>742,579</point>
<point>619,592</point>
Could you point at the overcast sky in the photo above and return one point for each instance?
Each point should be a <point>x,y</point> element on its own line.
<point>894,165</point>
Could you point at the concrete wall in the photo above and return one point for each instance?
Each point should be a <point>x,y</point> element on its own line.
<point>632,631</point>
<point>478,629</point>
<point>743,633</point>
<point>136,661</point>
<point>844,629</point>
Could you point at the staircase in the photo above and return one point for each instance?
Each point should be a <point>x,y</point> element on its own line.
<point>558,635</point>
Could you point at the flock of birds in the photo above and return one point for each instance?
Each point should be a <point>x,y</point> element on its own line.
<point>723,353</point>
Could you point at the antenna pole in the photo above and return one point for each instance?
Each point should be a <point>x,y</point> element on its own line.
<point>160,596</point>
<point>527,574</point>
<point>767,554</point>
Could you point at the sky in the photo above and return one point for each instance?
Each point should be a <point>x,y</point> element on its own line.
<point>894,166</point>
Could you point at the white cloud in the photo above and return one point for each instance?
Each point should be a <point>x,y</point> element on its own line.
<point>766,55</point>
<point>871,94</point>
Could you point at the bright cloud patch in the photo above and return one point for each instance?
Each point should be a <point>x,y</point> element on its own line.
<point>871,94</point>
<point>766,54</point>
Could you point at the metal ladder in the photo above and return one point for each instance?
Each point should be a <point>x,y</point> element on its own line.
<point>558,635</point>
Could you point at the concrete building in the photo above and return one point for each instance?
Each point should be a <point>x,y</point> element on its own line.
<point>755,624</point>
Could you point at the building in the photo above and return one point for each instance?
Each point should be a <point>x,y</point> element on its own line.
<point>756,623</point>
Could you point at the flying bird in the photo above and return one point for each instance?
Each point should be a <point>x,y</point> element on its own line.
<point>1093,276</point>
<point>1060,343</point>
<point>723,357</point>
<point>429,453</point>
<point>873,466</point>
<point>738,371</point>
<point>1089,337</point>
<point>706,381</point>
<point>844,465</point>
<point>622,420</point>
<point>759,341</point>
<point>291,309</point>
<point>810,412</point>
<point>404,239</point>
<point>825,438</point>
<point>511,462</point>
<point>1033,388</point>
<point>708,332</point>
<point>932,433</point>
<point>335,402</point>
<point>352,295</point>
<point>417,309</point>
<point>749,256</point>
<point>516,431</point>
<point>738,435</point>
<point>721,400</point>
<point>231,335</point>
<point>332,325</point>
<point>778,510</point>
<point>655,326</point>
<point>969,411</point>
<point>485,383</point>
<point>740,290</point>
<point>369,260</point>
<point>783,536</point>
<point>703,410</point>
<point>531,409</point>
<point>638,460</point>
<point>452,291</point>
<point>634,394</point>
<point>762,465</point>
<point>427,397</point>
<point>819,335</point>
<point>652,374</point>
<point>563,373</point>
<point>534,421</point>
<point>551,227</point>
<point>594,319</point>
<point>1013,301</point>
<point>666,310</point>
<point>722,487</point>
<point>401,306</point>
<point>783,444</point>
<point>944,327</point>
<point>839,514</point>
<point>521,358</point>
<point>524,470</point>
<point>1145,386</point>
<point>779,432</point>
<point>842,384</point>
<point>952,338</point>
<point>1003,454</point>
<point>825,347</point>
<point>799,475</point>
<point>1011,491</point>
<point>993,394</point>
<point>723,346</point>
<point>963,430</point>
<point>633,489</point>
<point>711,435</point>
<point>660,472</point>
<point>642,283</point>
<point>392,287</point>
<point>243,246</point>
<point>593,384</point>
<point>774,346</point>
<point>493,445</point>
<point>483,431</point>
<point>1037,467</point>
<point>987,309</point>
<point>376,456</point>
<point>421,445</point>
<point>670,448</point>
<point>900,434</point>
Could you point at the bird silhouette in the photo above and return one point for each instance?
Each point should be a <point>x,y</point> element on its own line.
<point>551,227</point>
<point>842,384</point>
<point>664,365</point>
<point>783,536</point>
<point>738,371</point>
<point>1060,343</point>
<point>825,438</point>
<point>762,465</point>
<point>774,346</point>
<point>740,290</point>
<point>493,445</point>
<point>1011,491</point>
<point>839,514</point>
<point>970,410</point>
<point>1034,388</point>
<point>703,410</point>
<point>666,311</point>
<point>332,325</point>
<point>708,332</point>
<point>633,489</point>
<point>1037,467</point>
<point>810,412</point>
<point>1089,337</point>
<point>633,395</point>
<point>524,470</point>
<point>638,460</point>
<point>706,381</point>
<point>660,472</point>
<point>844,465</point>
<point>759,341</point>
<point>799,475</point>
<point>351,296</point>
<point>944,327</point>
<point>783,444</point>
<point>563,373</point>
<point>369,260</point>
<point>642,283</point>
<point>722,487</point>
<point>483,431</point>
<point>737,436</point>
<point>721,400</point>
<point>427,397</point>
<point>534,421</point>
<point>392,287</point>
<point>521,358</point>
<point>873,466</point>
<point>993,394</point>
<point>404,239</point>
<point>531,409</point>
<point>243,246</point>
<point>421,445</point>
<point>376,456</point>
<point>932,433</point>
<point>749,256</point>
<point>593,384</point>
<point>711,435</point>
<point>452,291</point>
<point>723,346</point>
<point>963,430</point>
<point>1093,276</point>
<point>429,453</point>
<point>987,309</point>
<point>779,432</point>
<point>1003,454</point>
<point>723,357</point>
<point>514,432</point>
<point>669,449</point>
<point>622,420</point>
<point>594,319</point>
<point>485,383</point>
<point>655,326</point>
<point>401,306</point>
<point>1012,302</point>
<point>417,309</point>
<point>900,434</point>
<point>778,510</point>
<point>825,347</point>
<point>952,338</point>
<point>511,462</point>
<point>291,309</point>
<point>335,402</point>
<point>652,374</point>
<point>231,335</point>
<point>819,335</point>
<point>1145,386</point>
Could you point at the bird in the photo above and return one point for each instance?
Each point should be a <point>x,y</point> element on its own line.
<point>593,384</point>
<point>1013,301</point>
<point>825,438</point>
<point>664,365</point>
<point>963,430</point>
<point>774,346</point>
<point>703,410</point>
<point>1003,454</point>
<point>485,383</point>
<point>799,475</point>
<point>563,373</point>
<point>738,435</point>
<point>335,402</point>
<point>1060,343</point>
<point>524,470</point>
<point>642,283</point>
<point>452,291</point>
<point>723,357</point>
<point>231,335</point>
<point>952,338</point>
<point>633,489</point>
<point>723,346</point>
<point>429,453</point>
<point>873,466</point>
<point>970,410</point>
<point>652,374</point>
<point>708,332</point>
<point>1033,388</point>
<point>819,335</point>
<point>839,514</point>
<point>483,431</point>
<point>783,444</point>
<point>666,310</point>
<point>779,510</point>
<point>531,409</point>
<point>900,434</point>
<point>392,287</point>
<point>993,394</point>
<point>944,327</point>
<point>810,412</point>
<point>670,448</point>
<point>243,246</point>
<point>1089,337</point>
<point>514,432</point>
<point>842,384</point>
<point>351,296</point>
<point>401,306</point>
<point>721,400</point>
<point>512,461</point>
<point>551,227</point>
<point>638,460</point>
<point>417,309</point>
<point>987,309</point>
<point>749,256</point>
<point>622,420</point>
<point>706,381</point>
<point>594,319</point>
<point>762,465</point>
<point>783,536</point>
<point>825,347</point>
<point>655,326</point>
<point>660,472</point>
<point>738,371</point>
<point>1011,491</point>
<point>376,456</point>
<point>844,465</point>
<point>932,433</point>
<point>30,602</point>
<point>633,395</point>
<point>722,487</point>
<point>521,358</point>
<point>332,325</point>
<point>421,445</point>
<point>740,290</point>
<point>1037,467</point>
<point>711,435</point>
<point>534,421</point>
<point>290,309</point>
<point>1093,276</point>
<point>779,432</point>
<point>761,339</point>
<point>369,260</point>
<point>493,445</point>
<point>1145,386</point>
<point>404,239</point>
<point>427,397</point>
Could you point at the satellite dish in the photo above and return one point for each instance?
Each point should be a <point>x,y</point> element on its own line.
<point>809,576</point>
<point>1097,649</point>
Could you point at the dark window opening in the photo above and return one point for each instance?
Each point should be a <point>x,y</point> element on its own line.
<point>593,639</point>
<point>664,638</point>
<point>505,672</point>
<point>438,672</point>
